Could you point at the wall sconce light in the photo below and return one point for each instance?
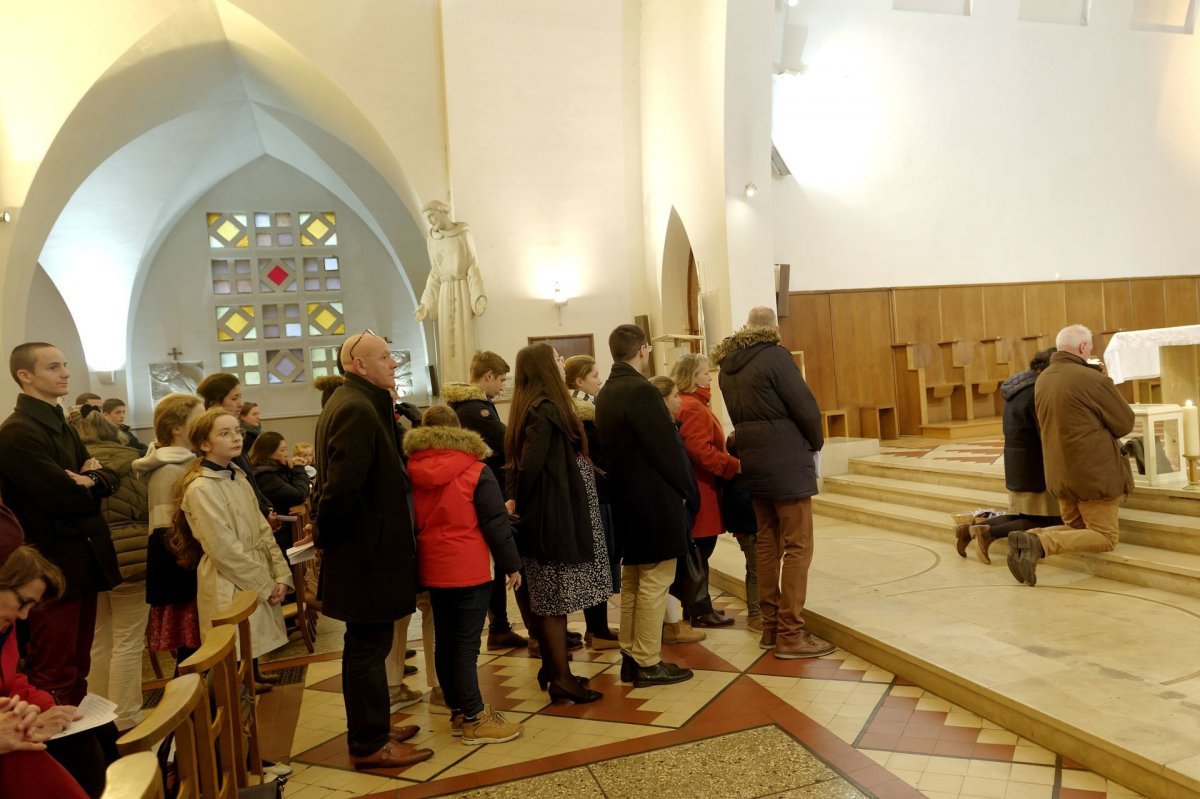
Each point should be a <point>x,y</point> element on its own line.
<point>750,190</point>
<point>107,378</point>
<point>560,301</point>
<point>5,216</point>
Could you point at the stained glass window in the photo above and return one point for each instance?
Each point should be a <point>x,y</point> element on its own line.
<point>228,230</point>
<point>318,229</point>
<point>243,364</point>
<point>271,266</point>
<point>322,361</point>
<point>285,366</point>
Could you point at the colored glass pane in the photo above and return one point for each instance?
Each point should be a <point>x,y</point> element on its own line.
<point>277,275</point>
<point>318,228</point>
<point>325,319</point>
<point>227,230</point>
<point>236,322</point>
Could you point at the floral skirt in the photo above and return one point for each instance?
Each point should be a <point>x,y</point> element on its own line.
<point>173,626</point>
<point>556,589</point>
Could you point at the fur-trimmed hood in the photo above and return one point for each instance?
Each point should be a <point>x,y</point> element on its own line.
<point>735,347</point>
<point>439,437</point>
<point>585,409</point>
<point>461,392</point>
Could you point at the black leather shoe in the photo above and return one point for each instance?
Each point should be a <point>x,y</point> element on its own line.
<point>409,670</point>
<point>629,668</point>
<point>711,620</point>
<point>410,653</point>
<point>661,674</point>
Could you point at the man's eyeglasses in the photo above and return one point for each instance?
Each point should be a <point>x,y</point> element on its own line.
<point>367,332</point>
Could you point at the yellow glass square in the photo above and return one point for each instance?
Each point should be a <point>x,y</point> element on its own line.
<point>318,228</point>
<point>237,323</point>
<point>227,230</point>
<point>212,218</point>
<point>325,319</point>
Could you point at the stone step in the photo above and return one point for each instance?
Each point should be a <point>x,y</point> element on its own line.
<point>1170,531</point>
<point>1176,572</point>
<point>1173,500</point>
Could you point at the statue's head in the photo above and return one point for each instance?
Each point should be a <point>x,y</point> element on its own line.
<point>437,214</point>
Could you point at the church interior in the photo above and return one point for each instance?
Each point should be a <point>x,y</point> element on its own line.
<point>927,191</point>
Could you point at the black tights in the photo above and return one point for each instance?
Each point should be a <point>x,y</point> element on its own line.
<point>551,635</point>
<point>1001,526</point>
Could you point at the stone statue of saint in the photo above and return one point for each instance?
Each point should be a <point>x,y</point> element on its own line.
<point>453,295</point>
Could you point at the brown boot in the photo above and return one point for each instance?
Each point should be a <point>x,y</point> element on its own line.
<point>962,538</point>
<point>983,541</point>
<point>767,640</point>
<point>806,646</point>
<point>679,633</point>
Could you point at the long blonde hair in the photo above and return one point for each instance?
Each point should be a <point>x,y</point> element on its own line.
<point>684,370</point>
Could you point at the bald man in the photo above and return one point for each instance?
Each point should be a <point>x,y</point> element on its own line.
<point>364,529</point>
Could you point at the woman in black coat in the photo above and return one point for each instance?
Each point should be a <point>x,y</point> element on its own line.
<point>285,484</point>
<point>1030,505</point>
<point>559,532</point>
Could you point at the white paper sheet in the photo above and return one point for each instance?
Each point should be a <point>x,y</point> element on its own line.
<point>302,553</point>
<point>96,711</point>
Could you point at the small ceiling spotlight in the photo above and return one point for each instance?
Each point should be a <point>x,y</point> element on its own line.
<point>750,190</point>
<point>793,3</point>
<point>5,216</point>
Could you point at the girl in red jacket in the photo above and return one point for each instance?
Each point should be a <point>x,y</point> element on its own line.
<point>462,527</point>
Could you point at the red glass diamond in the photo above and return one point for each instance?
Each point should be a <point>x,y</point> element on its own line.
<point>277,275</point>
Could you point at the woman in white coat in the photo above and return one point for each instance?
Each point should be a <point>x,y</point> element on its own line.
<point>240,553</point>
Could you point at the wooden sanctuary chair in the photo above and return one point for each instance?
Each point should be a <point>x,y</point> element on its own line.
<point>216,663</point>
<point>183,710</point>
<point>300,612</point>
<point>134,777</point>
<point>238,614</point>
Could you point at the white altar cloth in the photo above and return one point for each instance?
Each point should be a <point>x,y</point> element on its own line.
<point>1133,354</point>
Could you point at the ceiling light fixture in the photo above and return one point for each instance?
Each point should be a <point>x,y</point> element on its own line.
<point>750,190</point>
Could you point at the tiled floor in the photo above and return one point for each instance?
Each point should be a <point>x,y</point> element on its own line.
<point>748,725</point>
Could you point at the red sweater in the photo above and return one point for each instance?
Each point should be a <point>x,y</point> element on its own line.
<point>704,441</point>
<point>13,682</point>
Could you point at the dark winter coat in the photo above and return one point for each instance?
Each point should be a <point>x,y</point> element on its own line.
<point>649,477</point>
<point>61,518</point>
<point>362,518</point>
<point>587,414</point>
<point>555,522</point>
<point>775,416</point>
<point>1023,470</point>
<point>1082,417</point>
<point>476,412</point>
<point>126,511</point>
<point>285,486</point>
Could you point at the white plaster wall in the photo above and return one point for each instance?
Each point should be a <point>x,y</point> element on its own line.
<point>544,156</point>
<point>49,320</point>
<point>175,308</point>
<point>928,148</point>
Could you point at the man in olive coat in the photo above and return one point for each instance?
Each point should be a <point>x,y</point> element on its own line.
<point>777,424</point>
<point>54,487</point>
<point>1082,418</point>
<point>649,480</point>
<point>362,524</point>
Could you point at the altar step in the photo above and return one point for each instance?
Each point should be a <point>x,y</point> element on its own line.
<point>1157,550</point>
<point>955,430</point>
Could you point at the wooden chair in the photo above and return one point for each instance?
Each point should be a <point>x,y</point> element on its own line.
<point>134,777</point>
<point>238,613</point>
<point>216,663</point>
<point>300,612</point>
<point>183,710</point>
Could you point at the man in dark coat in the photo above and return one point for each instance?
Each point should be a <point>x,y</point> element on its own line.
<point>363,526</point>
<point>54,488</point>
<point>778,428</point>
<point>1082,418</point>
<point>473,404</point>
<point>649,481</point>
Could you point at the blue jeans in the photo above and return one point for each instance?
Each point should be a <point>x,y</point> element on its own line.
<point>458,616</point>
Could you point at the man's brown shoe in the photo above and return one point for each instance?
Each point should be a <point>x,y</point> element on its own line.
<point>767,641</point>
<point>983,541</point>
<point>807,646</point>
<point>1024,549</point>
<point>392,756</point>
<point>962,538</point>
<point>399,735</point>
<point>505,640</point>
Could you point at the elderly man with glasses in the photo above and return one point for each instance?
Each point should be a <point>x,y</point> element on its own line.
<point>363,527</point>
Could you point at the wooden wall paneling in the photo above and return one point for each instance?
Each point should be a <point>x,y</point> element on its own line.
<point>1147,304</point>
<point>1085,306</point>
<point>916,315</point>
<point>911,412</point>
<point>807,327</point>
<point>1004,311</point>
<point>962,313</point>
<point>1117,313</point>
<point>1180,305</point>
<point>864,363</point>
<point>1045,309</point>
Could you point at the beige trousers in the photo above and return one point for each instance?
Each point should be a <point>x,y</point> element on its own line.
<point>395,658</point>
<point>643,605</point>
<point>1088,526</point>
